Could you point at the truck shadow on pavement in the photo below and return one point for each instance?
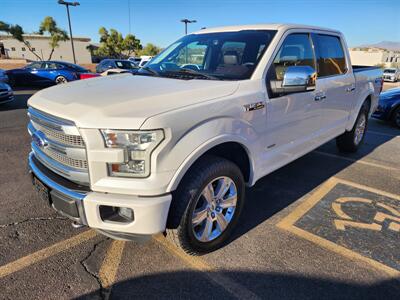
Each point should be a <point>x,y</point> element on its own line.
<point>195,285</point>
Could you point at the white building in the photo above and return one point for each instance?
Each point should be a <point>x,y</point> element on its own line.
<point>11,48</point>
<point>374,56</point>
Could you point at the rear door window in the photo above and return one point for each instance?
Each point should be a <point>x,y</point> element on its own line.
<point>50,66</point>
<point>330,55</point>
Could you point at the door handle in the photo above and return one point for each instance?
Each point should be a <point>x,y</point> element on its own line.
<point>350,88</point>
<point>319,97</point>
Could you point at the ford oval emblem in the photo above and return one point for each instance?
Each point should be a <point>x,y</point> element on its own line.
<point>39,139</point>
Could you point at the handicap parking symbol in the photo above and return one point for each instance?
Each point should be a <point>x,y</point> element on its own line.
<point>353,220</point>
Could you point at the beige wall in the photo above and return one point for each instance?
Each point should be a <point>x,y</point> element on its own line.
<point>374,57</point>
<point>41,44</point>
<point>364,58</point>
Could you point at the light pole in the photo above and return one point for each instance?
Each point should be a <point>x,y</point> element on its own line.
<point>186,21</point>
<point>67,5</point>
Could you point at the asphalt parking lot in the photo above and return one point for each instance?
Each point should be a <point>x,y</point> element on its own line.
<point>326,226</point>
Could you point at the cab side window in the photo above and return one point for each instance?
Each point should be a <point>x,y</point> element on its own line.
<point>296,50</point>
<point>330,55</point>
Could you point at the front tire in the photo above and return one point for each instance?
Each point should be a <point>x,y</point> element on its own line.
<point>206,206</point>
<point>351,140</point>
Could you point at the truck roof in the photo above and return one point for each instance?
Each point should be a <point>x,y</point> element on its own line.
<point>267,26</point>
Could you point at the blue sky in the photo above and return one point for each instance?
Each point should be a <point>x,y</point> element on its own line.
<point>157,21</point>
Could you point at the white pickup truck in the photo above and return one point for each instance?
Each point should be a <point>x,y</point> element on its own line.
<point>171,149</point>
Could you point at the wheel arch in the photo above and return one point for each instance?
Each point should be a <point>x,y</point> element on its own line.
<point>238,153</point>
<point>367,98</point>
<point>393,109</point>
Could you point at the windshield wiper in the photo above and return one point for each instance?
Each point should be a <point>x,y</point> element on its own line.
<point>195,73</point>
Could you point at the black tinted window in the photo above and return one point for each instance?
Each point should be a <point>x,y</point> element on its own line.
<point>331,60</point>
<point>75,67</point>
<point>296,50</point>
<point>124,64</point>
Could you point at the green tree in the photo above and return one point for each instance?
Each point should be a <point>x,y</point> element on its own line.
<point>113,44</point>
<point>57,35</point>
<point>150,49</point>
<point>17,33</point>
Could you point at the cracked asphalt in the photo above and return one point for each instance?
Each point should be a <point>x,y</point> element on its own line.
<point>43,257</point>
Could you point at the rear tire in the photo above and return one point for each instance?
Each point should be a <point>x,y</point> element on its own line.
<point>396,117</point>
<point>61,80</point>
<point>351,140</point>
<point>196,224</point>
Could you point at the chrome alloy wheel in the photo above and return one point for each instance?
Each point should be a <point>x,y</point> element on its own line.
<point>61,80</point>
<point>360,129</point>
<point>214,209</point>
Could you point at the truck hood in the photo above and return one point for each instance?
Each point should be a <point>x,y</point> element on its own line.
<point>125,101</point>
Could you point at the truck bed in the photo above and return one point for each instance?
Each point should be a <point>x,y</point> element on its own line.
<point>365,78</point>
<point>357,68</point>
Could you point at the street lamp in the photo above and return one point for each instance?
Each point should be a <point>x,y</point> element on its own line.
<point>67,5</point>
<point>186,21</point>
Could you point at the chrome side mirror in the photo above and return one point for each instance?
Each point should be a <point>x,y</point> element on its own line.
<point>295,79</point>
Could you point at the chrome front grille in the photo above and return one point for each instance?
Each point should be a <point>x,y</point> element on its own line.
<point>69,140</point>
<point>64,159</point>
<point>58,145</point>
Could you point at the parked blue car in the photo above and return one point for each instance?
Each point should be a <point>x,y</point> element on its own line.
<point>3,76</point>
<point>45,73</point>
<point>389,107</point>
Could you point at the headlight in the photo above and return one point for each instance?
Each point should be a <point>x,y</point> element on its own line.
<point>138,146</point>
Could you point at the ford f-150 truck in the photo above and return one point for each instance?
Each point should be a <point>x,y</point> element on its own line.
<point>171,149</point>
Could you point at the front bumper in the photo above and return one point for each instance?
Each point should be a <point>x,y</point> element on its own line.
<point>6,97</point>
<point>389,79</point>
<point>82,205</point>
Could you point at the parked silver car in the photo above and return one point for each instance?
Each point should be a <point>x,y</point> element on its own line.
<point>391,74</point>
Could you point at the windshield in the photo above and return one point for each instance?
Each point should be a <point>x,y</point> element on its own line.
<point>124,64</point>
<point>389,71</point>
<point>220,55</point>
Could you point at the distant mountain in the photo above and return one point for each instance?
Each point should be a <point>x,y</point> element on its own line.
<point>394,46</point>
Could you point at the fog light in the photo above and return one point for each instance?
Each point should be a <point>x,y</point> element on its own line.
<point>126,213</point>
<point>116,214</point>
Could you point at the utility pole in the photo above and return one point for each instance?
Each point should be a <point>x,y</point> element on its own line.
<point>129,16</point>
<point>186,21</point>
<point>67,5</point>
